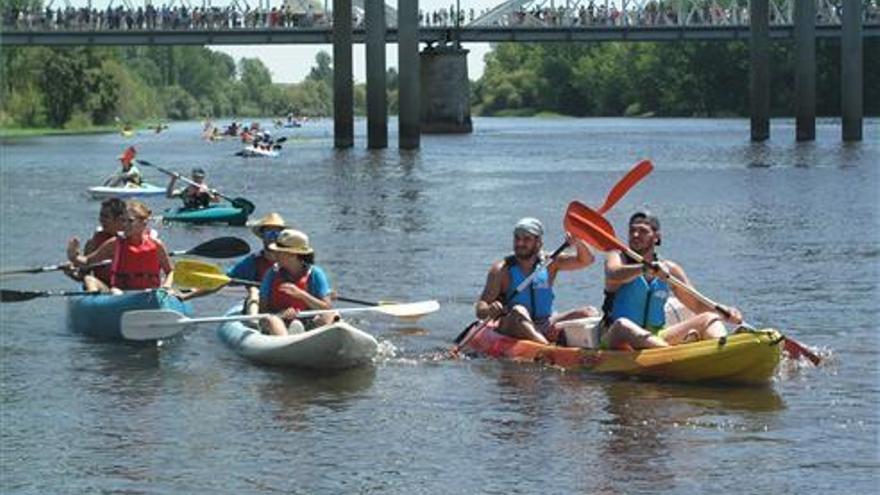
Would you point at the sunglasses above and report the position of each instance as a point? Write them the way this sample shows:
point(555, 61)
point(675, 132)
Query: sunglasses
point(270, 235)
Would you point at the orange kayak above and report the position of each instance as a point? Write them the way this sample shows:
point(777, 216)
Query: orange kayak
point(743, 358)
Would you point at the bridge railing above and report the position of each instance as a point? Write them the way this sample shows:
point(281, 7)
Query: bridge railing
point(302, 14)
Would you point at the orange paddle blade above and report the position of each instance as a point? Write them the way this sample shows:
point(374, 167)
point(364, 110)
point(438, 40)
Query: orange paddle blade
point(587, 224)
point(629, 180)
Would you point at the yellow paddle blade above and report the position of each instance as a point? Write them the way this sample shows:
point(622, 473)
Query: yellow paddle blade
point(194, 274)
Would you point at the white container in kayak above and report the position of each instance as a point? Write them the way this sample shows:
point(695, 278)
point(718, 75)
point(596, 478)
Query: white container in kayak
point(335, 346)
point(142, 191)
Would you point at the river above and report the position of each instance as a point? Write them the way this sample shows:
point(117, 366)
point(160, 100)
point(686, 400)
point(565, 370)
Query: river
point(786, 232)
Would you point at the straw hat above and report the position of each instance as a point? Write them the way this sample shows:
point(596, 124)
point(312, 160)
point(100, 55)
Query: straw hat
point(292, 241)
point(271, 220)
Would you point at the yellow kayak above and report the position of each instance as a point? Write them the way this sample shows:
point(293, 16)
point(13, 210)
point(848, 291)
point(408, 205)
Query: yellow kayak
point(744, 358)
point(127, 132)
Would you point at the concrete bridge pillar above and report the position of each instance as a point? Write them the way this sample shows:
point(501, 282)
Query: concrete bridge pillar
point(343, 84)
point(408, 60)
point(759, 51)
point(805, 70)
point(851, 70)
point(446, 105)
point(377, 98)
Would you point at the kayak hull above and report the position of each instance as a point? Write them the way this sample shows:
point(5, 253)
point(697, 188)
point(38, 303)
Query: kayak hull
point(743, 358)
point(251, 152)
point(144, 191)
point(335, 346)
point(100, 315)
point(211, 214)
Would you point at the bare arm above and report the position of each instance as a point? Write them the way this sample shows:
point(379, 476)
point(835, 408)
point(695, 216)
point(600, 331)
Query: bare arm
point(103, 252)
point(169, 191)
point(618, 273)
point(581, 259)
point(165, 263)
point(488, 305)
point(692, 303)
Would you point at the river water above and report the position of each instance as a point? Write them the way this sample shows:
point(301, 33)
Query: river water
point(787, 232)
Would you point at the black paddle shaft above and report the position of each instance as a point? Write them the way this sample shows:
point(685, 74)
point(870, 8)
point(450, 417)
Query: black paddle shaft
point(242, 203)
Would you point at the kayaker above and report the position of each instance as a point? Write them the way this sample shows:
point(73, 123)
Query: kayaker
point(197, 195)
point(130, 175)
point(530, 314)
point(635, 297)
point(295, 283)
point(112, 221)
point(138, 259)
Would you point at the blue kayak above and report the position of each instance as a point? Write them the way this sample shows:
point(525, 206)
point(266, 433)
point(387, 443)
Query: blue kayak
point(211, 214)
point(100, 315)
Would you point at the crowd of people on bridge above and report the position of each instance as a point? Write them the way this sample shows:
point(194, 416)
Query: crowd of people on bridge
point(304, 15)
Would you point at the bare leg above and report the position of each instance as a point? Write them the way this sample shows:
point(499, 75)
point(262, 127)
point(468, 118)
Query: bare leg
point(519, 325)
point(273, 325)
point(625, 331)
point(707, 325)
point(93, 284)
point(575, 314)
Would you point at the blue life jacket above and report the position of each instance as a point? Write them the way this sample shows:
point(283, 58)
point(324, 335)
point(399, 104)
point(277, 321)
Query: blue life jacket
point(537, 297)
point(641, 301)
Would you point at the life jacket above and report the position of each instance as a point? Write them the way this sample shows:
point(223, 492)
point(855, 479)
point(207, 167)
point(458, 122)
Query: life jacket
point(638, 300)
point(136, 266)
point(537, 297)
point(278, 300)
point(196, 197)
point(97, 240)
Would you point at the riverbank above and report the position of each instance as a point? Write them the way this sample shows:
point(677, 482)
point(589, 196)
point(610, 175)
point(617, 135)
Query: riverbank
point(25, 132)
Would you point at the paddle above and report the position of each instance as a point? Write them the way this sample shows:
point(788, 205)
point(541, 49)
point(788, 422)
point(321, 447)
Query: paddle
point(587, 224)
point(221, 247)
point(7, 295)
point(163, 324)
point(638, 172)
point(242, 203)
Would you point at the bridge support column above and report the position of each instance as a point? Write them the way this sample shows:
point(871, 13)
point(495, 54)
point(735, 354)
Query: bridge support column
point(343, 85)
point(377, 97)
point(759, 51)
point(805, 70)
point(446, 107)
point(851, 70)
point(408, 61)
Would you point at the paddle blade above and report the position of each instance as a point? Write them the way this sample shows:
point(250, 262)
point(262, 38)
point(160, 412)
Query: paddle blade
point(244, 204)
point(7, 295)
point(585, 223)
point(412, 311)
point(637, 173)
point(796, 350)
point(152, 324)
point(194, 274)
point(221, 247)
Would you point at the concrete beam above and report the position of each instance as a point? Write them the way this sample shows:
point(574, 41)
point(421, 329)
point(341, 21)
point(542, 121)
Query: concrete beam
point(408, 61)
point(759, 87)
point(805, 70)
point(851, 71)
point(343, 83)
point(377, 99)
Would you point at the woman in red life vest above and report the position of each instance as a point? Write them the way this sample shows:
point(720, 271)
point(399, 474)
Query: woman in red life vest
point(138, 259)
point(112, 220)
point(294, 284)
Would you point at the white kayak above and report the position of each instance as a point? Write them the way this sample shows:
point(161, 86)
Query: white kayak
point(144, 190)
point(334, 346)
point(251, 151)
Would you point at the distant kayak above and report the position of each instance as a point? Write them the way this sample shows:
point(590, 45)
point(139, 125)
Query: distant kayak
point(255, 152)
point(143, 191)
point(212, 214)
point(127, 132)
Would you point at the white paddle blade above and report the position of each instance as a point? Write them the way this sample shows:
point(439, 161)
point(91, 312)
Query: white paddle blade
point(152, 324)
point(413, 311)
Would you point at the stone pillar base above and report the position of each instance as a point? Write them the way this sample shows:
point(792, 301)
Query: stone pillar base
point(445, 99)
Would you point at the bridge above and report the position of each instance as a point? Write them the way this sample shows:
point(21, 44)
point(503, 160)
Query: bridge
point(374, 23)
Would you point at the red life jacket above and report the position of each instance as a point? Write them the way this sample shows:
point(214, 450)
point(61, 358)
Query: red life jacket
point(97, 240)
point(136, 266)
point(278, 300)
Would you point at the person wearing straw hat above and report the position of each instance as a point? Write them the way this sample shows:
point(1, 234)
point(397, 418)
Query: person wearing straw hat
point(197, 195)
point(130, 175)
point(295, 283)
point(254, 266)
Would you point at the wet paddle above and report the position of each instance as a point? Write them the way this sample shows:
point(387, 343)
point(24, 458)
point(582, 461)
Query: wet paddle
point(638, 172)
point(242, 203)
point(163, 324)
point(221, 247)
point(587, 224)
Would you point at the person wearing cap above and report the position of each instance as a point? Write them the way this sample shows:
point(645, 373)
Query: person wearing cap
point(197, 195)
point(254, 266)
point(529, 315)
point(635, 297)
point(295, 283)
point(130, 175)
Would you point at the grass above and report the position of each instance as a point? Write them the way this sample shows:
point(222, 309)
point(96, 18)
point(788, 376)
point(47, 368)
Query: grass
point(24, 132)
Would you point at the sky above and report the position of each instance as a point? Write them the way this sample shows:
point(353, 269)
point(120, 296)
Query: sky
point(291, 63)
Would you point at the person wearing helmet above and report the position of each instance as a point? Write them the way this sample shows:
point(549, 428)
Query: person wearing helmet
point(635, 297)
point(529, 314)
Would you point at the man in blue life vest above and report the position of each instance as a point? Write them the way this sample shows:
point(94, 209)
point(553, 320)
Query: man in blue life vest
point(635, 297)
point(529, 315)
